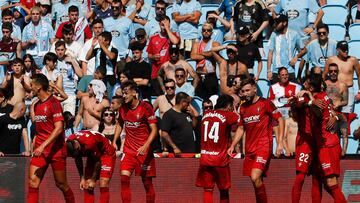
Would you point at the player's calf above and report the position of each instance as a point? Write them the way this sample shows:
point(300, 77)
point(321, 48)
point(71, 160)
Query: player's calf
point(208, 195)
point(149, 188)
point(224, 196)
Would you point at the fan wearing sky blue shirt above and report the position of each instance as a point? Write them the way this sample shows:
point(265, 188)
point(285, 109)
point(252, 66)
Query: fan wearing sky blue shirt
point(152, 26)
point(285, 48)
point(8, 16)
point(144, 13)
point(60, 11)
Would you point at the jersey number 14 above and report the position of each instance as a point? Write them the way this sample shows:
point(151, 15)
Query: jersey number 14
point(213, 134)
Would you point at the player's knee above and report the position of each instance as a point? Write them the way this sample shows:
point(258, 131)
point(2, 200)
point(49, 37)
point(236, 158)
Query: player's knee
point(256, 179)
point(63, 186)
point(34, 182)
point(104, 182)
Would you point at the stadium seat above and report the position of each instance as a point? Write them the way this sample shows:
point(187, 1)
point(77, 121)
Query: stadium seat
point(353, 12)
point(197, 103)
point(334, 14)
point(204, 9)
point(263, 88)
point(352, 146)
point(354, 31)
point(337, 2)
point(354, 48)
point(337, 32)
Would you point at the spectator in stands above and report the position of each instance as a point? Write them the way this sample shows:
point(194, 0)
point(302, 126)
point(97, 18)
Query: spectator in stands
point(16, 83)
point(251, 14)
point(88, 66)
point(298, 13)
point(218, 32)
point(206, 65)
point(8, 16)
point(101, 10)
point(166, 101)
point(141, 37)
point(187, 17)
point(80, 27)
point(283, 45)
point(181, 84)
point(226, 6)
point(248, 52)
point(37, 37)
point(13, 129)
point(207, 105)
point(92, 106)
point(50, 70)
point(140, 71)
point(105, 56)
point(143, 13)
point(10, 49)
point(338, 93)
point(167, 70)
point(60, 11)
point(83, 85)
point(120, 27)
point(69, 69)
point(30, 66)
point(45, 11)
point(21, 15)
point(72, 47)
point(158, 52)
point(69, 124)
point(320, 49)
point(178, 125)
point(152, 27)
point(107, 123)
point(5, 107)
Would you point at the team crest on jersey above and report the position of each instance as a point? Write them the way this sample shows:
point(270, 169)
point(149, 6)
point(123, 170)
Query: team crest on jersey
point(290, 92)
point(138, 116)
point(258, 109)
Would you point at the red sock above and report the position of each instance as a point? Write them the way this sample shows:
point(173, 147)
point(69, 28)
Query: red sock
point(316, 190)
point(89, 196)
point(69, 196)
point(260, 194)
point(337, 194)
point(104, 195)
point(125, 189)
point(33, 195)
point(224, 196)
point(297, 187)
point(149, 188)
point(208, 196)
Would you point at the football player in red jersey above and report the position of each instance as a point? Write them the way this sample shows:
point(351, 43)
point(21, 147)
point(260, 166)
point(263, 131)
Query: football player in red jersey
point(100, 162)
point(215, 140)
point(256, 117)
point(49, 141)
point(139, 121)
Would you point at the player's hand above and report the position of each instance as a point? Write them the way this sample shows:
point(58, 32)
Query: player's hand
point(26, 153)
point(82, 184)
point(115, 146)
point(38, 151)
point(343, 152)
point(331, 123)
point(142, 150)
point(230, 151)
point(319, 103)
point(279, 149)
point(2, 154)
point(90, 183)
point(177, 152)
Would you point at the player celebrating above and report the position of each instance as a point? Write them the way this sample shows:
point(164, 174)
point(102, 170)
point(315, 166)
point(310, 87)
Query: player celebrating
point(100, 162)
point(49, 143)
point(215, 139)
point(139, 122)
point(256, 116)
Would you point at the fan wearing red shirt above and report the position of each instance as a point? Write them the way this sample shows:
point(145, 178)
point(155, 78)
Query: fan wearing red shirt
point(100, 162)
point(256, 116)
point(215, 140)
point(158, 50)
point(139, 121)
point(49, 141)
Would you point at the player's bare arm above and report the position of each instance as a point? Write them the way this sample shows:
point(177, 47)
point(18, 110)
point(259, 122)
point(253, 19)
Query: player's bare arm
point(79, 114)
point(118, 129)
point(236, 139)
point(144, 149)
point(59, 128)
point(80, 168)
point(279, 139)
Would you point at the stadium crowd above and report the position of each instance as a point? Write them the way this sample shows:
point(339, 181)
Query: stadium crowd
point(95, 55)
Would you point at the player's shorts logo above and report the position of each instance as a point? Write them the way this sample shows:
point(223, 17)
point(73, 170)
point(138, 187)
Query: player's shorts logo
point(260, 159)
point(325, 165)
point(145, 167)
point(105, 168)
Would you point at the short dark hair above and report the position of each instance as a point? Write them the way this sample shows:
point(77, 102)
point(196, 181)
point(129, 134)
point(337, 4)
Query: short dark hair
point(117, 97)
point(334, 64)
point(169, 80)
point(101, 70)
point(223, 101)
point(316, 82)
point(16, 61)
point(281, 69)
point(59, 43)
point(41, 80)
point(180, 69)
point(7, 12)
point(67, 28)
point(73, 9)
point(107, 35)
point(129, 84)
point(161, 2)
point(181, 96)
point(50, 57)
point(323, 25)
point(8, 26)
point(126, 73)
point(96, 21)
point(210, 12)
point(164, 18)
point(247, 81)
point(135, 45)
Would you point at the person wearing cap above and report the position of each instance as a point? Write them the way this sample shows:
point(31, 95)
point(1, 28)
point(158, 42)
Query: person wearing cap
point(167, 70)
point(92, 105)
point(152, 27)
point(205, 63)
point(60, 11)
point(45, 7)
point(8, 16)
point(347, 66)
point(285, 48)
point(158, 52)
point(187, 17)
point(298, 13)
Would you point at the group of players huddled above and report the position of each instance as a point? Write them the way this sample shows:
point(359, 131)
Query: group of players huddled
point(318, 148)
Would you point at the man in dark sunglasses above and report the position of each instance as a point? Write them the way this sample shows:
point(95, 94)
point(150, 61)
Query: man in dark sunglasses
point(166, 101)
point(152, 27)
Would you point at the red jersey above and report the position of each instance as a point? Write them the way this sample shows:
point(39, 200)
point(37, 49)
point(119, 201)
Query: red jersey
point(215, 137)
point(256, 119)
point(159, 45)
point(93, 142)
point(46, 114)
point(87, 31)
point(136, 123)
point(303, 115)
point(323, 137)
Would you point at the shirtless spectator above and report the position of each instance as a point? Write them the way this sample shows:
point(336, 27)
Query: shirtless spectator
point(167, 70)
point(92, 106)
point(347, 66)
point(166, 101)
point(181, 84)
point(83, 85)
point(16, 83)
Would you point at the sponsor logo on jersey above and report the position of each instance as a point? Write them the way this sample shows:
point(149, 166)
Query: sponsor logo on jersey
point(209, 152)
point(40, 118)
point(252, 119)
point(292, 14)
point(130, 124)
point(115, 33)
point(14, 126)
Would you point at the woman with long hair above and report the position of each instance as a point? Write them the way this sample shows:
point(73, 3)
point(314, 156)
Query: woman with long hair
point(30, 66)
point(107, 123)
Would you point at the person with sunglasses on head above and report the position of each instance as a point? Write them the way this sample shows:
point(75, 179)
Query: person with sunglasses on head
point(181, 84)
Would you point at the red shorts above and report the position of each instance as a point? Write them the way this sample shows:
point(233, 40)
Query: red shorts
point(329, 158)
point(260, 160)
point(209, 175)
point(107, 167)
point(57, 160)
point(144, 165)
point(303, 155)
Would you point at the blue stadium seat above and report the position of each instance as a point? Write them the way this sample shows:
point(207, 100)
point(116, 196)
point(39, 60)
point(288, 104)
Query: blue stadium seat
point(337, 32)
point(265, 49)
point(334, 14)
point(337, 2)
point(197, 103)
point(354, 31)
point(263, 88)
point(353, 12)
point(354, 48)
point(204, 9)
point(352, 146)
